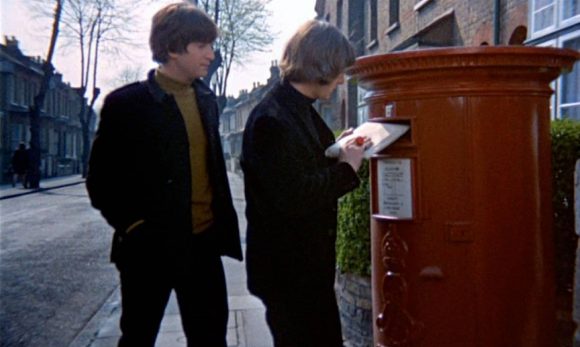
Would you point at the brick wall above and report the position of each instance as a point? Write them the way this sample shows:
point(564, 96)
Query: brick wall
point(473, 20)
point(467, 23)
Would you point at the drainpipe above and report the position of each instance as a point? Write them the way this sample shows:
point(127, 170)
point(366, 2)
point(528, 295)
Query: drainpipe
point(496, 22)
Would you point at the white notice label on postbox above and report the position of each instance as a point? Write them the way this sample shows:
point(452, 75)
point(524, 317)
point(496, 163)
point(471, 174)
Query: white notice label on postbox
point(395, 188)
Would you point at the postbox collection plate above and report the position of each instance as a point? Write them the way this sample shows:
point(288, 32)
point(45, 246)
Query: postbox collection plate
point(395, 188)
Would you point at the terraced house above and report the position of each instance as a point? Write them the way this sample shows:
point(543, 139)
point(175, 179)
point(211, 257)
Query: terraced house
point(60, 129)
point(382, 26)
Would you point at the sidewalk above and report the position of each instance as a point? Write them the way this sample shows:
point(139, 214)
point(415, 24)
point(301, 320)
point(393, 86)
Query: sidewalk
point(7, 191)
point(246, 327)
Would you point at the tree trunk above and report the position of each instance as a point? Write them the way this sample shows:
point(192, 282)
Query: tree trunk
point(86, 128)
point(86, 148)
point(33, 175)
point(83, 118)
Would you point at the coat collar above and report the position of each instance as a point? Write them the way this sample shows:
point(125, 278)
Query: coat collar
point(293, 96)
point(202, 91)
point(301, 109)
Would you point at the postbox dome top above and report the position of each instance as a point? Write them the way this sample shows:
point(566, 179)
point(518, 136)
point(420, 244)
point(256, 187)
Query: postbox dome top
point(546, 63)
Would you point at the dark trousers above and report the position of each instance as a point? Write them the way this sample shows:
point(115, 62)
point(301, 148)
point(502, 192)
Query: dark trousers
point(303, 318)
point(151, 268)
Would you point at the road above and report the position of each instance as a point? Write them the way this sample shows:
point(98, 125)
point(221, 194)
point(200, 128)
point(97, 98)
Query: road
point(54, 267)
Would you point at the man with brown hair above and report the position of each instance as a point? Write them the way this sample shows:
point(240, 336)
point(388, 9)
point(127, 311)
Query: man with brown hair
point(157, 175)
point(292, 191)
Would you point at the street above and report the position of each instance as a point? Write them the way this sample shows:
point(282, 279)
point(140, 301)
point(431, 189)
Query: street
point(57, 287)
point(54, 266)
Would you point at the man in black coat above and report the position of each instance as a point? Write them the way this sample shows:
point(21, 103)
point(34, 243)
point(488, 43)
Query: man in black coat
point(292, 191)
point(157, 175)
point(21, 165)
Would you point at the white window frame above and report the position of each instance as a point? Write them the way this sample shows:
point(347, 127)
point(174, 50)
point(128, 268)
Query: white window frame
point(362, 109)
point(567, 21)
point(533, 19)
point(560, 42)
point(556, 99)
point(18, 91)
point(554, 104)
point(558, 21)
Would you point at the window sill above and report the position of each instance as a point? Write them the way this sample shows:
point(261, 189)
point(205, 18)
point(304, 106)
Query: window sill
point(392, 29)
point(419, 6)
point(374, 43)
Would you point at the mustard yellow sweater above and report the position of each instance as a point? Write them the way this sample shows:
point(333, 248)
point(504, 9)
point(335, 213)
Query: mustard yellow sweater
point(201, 194)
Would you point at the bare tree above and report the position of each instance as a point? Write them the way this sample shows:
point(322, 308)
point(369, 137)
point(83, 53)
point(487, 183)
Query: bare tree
point(128, 75)
point(244, 30)
point(48, 70)
point(95, 27)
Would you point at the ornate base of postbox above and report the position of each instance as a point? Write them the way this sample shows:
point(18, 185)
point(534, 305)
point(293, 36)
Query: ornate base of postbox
point(394, 321)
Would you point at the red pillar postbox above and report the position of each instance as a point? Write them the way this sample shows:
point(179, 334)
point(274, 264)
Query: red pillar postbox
point(461, 205)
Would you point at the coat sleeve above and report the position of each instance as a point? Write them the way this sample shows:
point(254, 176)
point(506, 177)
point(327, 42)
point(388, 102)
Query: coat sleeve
point(279, 176)
point(108, 178)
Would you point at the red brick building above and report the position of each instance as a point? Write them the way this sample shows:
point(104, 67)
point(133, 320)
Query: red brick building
point(381, 26)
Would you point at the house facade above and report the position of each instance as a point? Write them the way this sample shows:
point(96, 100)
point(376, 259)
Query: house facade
point(235, 114)
point(383, 26)
point(60, 129)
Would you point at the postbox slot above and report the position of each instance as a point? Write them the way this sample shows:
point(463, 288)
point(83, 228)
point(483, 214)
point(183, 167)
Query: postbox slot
point(407, 139)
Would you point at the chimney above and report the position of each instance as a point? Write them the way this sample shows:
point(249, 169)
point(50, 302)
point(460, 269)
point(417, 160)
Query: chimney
point(11, 41)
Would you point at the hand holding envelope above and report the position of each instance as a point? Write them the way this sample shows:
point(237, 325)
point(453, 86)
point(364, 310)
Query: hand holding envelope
point(376, 135)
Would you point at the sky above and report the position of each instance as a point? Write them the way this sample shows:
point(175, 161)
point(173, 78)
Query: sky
point(33, 35)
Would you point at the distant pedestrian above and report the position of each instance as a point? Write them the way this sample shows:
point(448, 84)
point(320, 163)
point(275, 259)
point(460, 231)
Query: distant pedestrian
point(20, 165)
point(158, 176)
point(292, 191)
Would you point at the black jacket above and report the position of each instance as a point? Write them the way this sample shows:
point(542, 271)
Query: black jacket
point(139, 166)
point(292, 191)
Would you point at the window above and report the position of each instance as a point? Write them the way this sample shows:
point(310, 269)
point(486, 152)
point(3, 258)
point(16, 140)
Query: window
point(553, 84)
point(550, 15)
point(44, 137)
point(75, 140)
point(15, 136)
point(393, 12)
point(18, 91)
point(570, 84)
point(61, 102)
point(238, 120)
point(232, 121)
point(49, 102)
point(27, 94)
point(20, 134)
point(373, 21)
point(54, 138)
point(571, 9)
point(565, 102)
point(339, 14)
point(419, 4)
point(11, 89)
point(362, 107)
point(543, 16)
point(69, 145)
